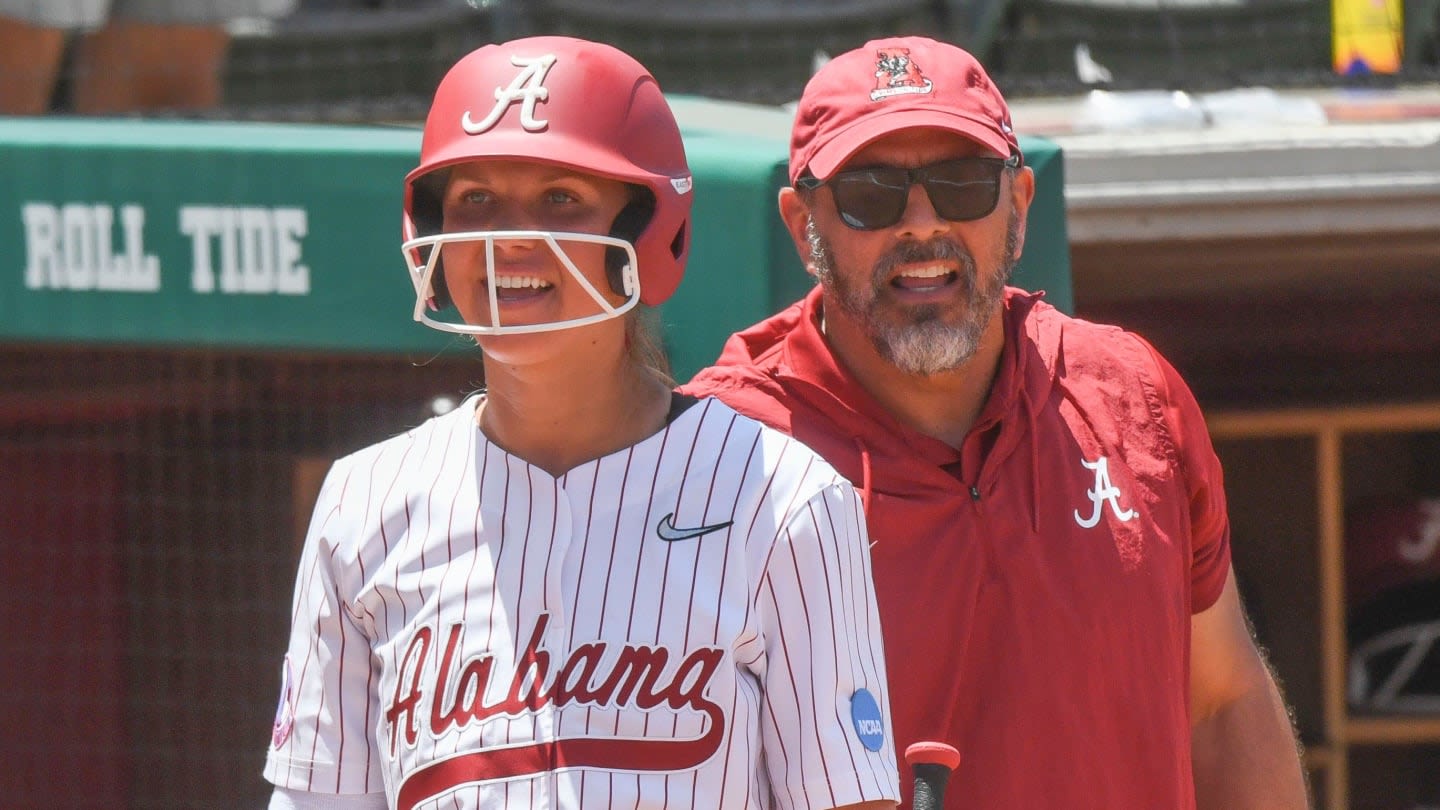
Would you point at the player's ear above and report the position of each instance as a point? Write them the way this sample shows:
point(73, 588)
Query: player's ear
point(795, 213)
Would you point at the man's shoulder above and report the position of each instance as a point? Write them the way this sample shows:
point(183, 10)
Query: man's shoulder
point(760, 402)
point(1114, 378)
point(1042, 319)
point(1071, 345)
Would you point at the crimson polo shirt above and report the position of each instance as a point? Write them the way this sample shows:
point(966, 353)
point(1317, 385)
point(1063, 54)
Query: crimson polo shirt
point(1036, 585)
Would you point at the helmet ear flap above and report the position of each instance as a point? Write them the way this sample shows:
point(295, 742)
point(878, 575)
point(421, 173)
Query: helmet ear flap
point(628, 225)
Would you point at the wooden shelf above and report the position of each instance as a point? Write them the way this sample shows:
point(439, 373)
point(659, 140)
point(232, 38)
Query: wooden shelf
point(1336, 436)
point(1318, 757)
point(1309, 421)
point(1392, 730)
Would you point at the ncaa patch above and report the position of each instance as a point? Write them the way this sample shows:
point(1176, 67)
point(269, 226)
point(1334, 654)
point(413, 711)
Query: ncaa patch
point(285, 712)
point(865, 715)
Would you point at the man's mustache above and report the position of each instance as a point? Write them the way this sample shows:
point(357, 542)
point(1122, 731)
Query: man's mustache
point(934, 250)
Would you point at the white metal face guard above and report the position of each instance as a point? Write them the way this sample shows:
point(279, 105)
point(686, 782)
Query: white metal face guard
point(420, 276)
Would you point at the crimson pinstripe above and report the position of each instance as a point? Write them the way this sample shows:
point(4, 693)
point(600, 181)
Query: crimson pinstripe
point(534, 642)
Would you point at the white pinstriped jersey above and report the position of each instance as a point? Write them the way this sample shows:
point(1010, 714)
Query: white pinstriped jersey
point(688, 622)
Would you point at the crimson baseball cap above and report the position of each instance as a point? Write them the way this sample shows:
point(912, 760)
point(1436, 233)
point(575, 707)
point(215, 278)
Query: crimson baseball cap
point(893, 84)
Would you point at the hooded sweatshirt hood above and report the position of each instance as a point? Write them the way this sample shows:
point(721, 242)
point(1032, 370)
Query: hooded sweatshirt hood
point(785, 359)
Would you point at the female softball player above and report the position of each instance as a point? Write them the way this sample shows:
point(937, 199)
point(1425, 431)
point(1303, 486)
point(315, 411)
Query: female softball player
point(577, 589)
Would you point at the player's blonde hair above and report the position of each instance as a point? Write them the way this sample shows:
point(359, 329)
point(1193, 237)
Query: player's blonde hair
point(644, 344)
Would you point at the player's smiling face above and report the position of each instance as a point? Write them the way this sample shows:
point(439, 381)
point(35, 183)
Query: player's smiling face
point(923, 290)
point(531, 280)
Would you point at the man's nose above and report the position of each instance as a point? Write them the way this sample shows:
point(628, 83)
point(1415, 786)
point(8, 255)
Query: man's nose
point(921, 221)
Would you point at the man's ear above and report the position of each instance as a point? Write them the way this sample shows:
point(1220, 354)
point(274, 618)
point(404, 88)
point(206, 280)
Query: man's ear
point(795, 213)
point(1022, 193)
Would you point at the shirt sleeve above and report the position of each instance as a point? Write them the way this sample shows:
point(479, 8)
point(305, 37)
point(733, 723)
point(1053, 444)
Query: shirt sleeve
point(825, 717)
point(323, 737)
point(1204, 485)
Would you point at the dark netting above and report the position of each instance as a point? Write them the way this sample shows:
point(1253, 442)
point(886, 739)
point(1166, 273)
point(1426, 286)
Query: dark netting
point(764, 50)
point(379, 60)
point(1275, 43)
point(153, 505)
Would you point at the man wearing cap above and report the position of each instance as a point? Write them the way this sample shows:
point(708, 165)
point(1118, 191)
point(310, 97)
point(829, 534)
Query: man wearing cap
point(1051, 547)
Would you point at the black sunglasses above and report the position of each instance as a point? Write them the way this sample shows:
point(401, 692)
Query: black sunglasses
point(960, 190)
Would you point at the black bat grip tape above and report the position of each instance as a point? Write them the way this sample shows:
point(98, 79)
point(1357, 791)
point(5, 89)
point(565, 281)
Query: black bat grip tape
point(930, 780)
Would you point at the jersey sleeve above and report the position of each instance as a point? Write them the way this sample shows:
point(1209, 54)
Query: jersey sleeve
point(825, 722)
point(323, 737)
point(1204, 484)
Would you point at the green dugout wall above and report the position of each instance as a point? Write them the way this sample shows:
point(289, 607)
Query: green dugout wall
point(286, 237)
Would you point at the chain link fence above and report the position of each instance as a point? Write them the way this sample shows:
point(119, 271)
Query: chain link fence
point(763, 52)
point(369, 60)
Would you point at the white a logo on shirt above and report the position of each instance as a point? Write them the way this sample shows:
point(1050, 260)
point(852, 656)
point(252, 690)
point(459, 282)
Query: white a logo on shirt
point(527, 88)
point(1103, 492)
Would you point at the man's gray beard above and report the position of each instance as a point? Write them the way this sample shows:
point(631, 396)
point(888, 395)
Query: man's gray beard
point(926, 344)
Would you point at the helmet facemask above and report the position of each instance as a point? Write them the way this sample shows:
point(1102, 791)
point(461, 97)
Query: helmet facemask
point(422, 275)
point(423, 256)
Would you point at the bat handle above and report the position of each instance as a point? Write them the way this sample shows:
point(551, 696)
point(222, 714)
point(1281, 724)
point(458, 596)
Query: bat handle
point(932, 763)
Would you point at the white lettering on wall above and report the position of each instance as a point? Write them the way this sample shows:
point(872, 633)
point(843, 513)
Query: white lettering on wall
point(200, 223)
point(259, 249)
point(72, 247)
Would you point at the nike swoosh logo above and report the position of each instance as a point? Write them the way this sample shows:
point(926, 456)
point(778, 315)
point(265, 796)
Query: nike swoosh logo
point(669, 533)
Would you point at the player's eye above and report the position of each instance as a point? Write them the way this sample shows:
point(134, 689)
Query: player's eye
point(469, 208)
point(561, 197)
point(474, 196)
point(569, 208)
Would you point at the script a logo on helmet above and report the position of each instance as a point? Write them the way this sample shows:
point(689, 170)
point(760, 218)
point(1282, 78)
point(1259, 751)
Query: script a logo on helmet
point(527, 88)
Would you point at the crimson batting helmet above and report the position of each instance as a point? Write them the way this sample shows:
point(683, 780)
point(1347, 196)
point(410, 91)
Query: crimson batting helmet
point(1393, 586)
point(566, 102)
